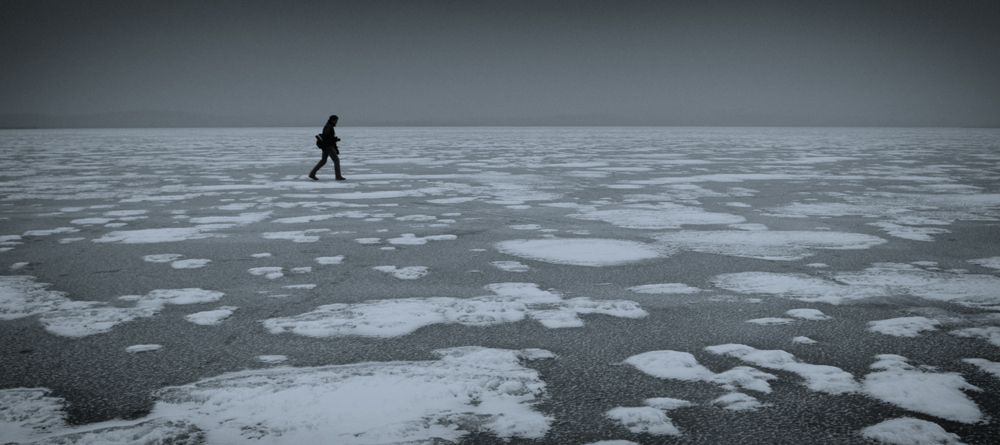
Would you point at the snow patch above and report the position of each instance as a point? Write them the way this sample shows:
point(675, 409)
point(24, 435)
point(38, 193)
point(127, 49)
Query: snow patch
point(903, 326)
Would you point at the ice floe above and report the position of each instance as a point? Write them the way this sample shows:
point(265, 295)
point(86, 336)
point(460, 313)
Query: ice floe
point(208, 318)
point(822, 378)
point(410, 239)
point(768, 245)
point(880, 280)
point(512, 302)
point(593, 252)
point(985, 365)
point(677, 365)
point(770, 321)
point(906, 386)
point(988, 333)
point(903, 326)
point(28, 413)
point(991, 262)
point(510, 266)
point(272, 358)
point(910, 431)
point(644, 420)
point(804, 340)
point(661, 216)
point(665, 288)
point(267, 272)
point(404, 273)
point(148, 236)
point(470, 389)
point(738, 401)
point(301, 236)
point(189, 263)
point(143, 348)
point(328, 260)
point(808, 314)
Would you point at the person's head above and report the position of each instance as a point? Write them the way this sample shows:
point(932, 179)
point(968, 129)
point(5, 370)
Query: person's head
point(333, 119)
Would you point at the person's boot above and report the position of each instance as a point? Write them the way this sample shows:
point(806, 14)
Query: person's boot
point(313, 177)
point(340, 178)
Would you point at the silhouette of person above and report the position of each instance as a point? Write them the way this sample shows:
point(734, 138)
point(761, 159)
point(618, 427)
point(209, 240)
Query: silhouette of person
point(330, 150)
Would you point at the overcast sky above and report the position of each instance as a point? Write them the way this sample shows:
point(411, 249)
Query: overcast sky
point(836, 62)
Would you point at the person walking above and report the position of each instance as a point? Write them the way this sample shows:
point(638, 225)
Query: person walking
point(329, 146)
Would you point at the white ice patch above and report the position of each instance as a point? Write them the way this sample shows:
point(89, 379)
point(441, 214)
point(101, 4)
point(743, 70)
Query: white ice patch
point(665, 288)
point(410, 239)
point(593, 252)
point(21, 297)
point(301, 236)
point(470, 389)
point(644, 420)
point(804, 340)
point(988, 333)
point(510, 266)
point(243, 218)
point(189, 264)
point(661, 216)
point(903, 326)
point(391, 318)
point(822, 378)
point(771, 321)
point(936, 394)
point(768, 245)
point(272, 358)
point(208, 318)
point(162, 257)
point(267, 272)
point(683, 366)
point(27, 413)
point(881, 280)
point(985, 365)
point(739, 402)
point(403, 273)
point(991, 262)
point(91, 321)
point(20, 265)
point(51, 231)
point(910, 431)
point(159, 297)
point(808, 314)
point(147, 236)
point(143, 348)
point(302, 219)
point(328, 260)
point(909, 232)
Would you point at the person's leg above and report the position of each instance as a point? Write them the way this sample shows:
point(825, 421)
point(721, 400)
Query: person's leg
point(321, 163)
point(336, 166)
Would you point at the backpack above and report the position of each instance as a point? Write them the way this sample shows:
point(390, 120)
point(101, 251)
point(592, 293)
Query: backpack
point(319, 141)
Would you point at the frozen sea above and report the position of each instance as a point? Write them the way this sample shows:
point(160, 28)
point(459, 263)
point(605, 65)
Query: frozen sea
point(500, 285)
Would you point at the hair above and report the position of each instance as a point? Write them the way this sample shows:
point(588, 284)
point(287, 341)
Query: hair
point(333, 117)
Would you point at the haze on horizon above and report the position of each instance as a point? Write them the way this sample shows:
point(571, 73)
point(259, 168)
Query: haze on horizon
point(548, 62)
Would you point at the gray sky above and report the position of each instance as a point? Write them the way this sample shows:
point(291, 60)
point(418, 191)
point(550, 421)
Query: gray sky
point(843, 62)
